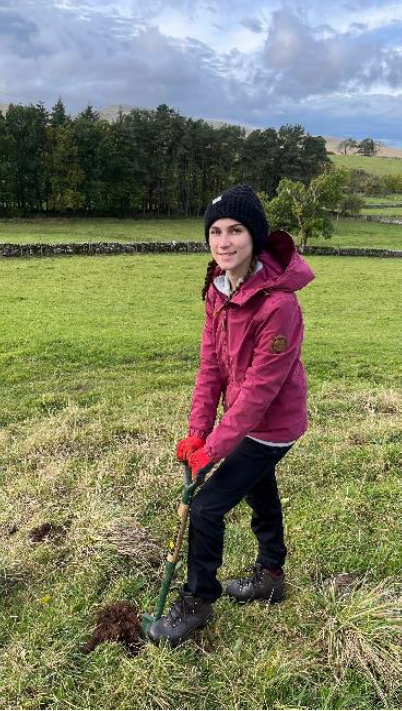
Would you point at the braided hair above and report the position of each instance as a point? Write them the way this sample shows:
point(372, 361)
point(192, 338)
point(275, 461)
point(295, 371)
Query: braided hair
point(211, 273)
point(208, 277)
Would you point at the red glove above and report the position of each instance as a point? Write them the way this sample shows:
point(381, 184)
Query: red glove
point(187, 446)
point(197, 461)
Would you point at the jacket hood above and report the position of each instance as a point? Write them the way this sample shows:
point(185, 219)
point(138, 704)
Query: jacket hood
point(283, 269)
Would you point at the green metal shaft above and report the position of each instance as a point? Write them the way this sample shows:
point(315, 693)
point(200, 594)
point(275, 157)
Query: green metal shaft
point(189, 488)
point(164, 589)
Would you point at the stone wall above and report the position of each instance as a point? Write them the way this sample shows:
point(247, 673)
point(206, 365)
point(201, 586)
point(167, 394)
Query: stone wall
point(96, 248)
point(390, 220)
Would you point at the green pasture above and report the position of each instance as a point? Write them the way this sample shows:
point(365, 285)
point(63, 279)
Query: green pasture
point(378, 165)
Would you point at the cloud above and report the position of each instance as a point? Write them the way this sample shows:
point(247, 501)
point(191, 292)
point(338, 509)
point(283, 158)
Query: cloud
point(110, 60)
point(299, 63)
point(266, 67)
point(393, 70)
point(16, 31)
point(251, 23)
point(359, 26)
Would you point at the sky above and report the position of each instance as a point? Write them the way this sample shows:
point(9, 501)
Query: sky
point(334, 67)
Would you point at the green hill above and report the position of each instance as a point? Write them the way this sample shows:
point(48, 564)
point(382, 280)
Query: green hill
point(378, 165)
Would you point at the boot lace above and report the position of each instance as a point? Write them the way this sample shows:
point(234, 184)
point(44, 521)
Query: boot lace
point(180, 608)
point(254, 578)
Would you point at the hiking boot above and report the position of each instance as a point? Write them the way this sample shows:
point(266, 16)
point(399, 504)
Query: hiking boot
point(188, 614)
point(261, 585)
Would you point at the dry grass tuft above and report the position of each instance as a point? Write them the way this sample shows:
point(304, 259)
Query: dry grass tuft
point(129, 539)
point(362, 631)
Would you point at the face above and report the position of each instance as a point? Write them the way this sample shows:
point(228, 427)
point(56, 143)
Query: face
point(231, 245)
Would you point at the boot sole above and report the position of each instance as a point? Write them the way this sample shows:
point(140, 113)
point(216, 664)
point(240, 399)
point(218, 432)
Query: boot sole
point(270, 600)
point(189, 635)
point(167, 642)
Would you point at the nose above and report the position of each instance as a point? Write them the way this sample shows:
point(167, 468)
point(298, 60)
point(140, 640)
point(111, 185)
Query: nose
point(224, 238)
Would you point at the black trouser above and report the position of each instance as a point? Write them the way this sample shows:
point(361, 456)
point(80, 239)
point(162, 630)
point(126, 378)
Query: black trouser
point(248, 472)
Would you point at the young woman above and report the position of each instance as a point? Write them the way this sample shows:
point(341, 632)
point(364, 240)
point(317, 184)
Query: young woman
point(250, 354)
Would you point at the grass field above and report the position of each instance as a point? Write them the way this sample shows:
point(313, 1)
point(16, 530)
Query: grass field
point(383, 211)
point(355, 233)
point(386, 200)
point(386, 203)
point(97, 361)
point(377, 165)
point(57, 230)
point(348, 233)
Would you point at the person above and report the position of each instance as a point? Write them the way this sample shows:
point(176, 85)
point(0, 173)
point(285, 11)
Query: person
point(250, 355)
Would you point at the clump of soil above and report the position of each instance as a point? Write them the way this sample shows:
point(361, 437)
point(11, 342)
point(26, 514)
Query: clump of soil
point(117, 622)
point(45, 532)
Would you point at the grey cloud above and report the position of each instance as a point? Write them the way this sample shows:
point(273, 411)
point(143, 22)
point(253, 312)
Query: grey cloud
point(359, 26)
point(14, 27)
point(299, 63)
point(394, 69)
point(106, 61)
point(150, 9)
point(92, 56)
point(356, 5)
point(251, 23)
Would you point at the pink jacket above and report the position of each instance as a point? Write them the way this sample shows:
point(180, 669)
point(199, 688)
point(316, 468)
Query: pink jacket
point(250, 354)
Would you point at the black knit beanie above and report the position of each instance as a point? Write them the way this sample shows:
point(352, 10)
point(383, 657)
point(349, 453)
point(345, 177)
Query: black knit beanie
point(240, 203)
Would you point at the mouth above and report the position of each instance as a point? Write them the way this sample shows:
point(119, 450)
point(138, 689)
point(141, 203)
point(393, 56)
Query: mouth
point(227, 254)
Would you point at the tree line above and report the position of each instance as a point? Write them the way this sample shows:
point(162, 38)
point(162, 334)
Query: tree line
point(144, 163)
point(366, 147)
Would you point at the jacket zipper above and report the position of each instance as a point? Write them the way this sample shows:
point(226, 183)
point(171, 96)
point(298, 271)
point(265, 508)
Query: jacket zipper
point(224, 320)
point(226, 330)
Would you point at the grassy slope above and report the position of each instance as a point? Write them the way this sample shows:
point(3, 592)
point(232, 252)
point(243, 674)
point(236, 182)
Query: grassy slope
point(371, 164)
point(98, 359)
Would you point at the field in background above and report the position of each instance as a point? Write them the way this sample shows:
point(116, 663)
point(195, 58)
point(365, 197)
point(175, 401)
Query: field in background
point(97, 363)
point(383, 211)
point(385, 200)
point(348, 233)
point(359, 233)
point(57, 230)
point(377, 165)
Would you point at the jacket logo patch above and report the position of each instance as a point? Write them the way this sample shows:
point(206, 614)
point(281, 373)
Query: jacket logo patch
point(279, 344)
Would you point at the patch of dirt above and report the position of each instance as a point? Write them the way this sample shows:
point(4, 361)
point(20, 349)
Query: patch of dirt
point(45, 532)
point(8, 529)
point(119, 622)
point(385, 402)
point(342, 583)
point(12, 580)
point(357, 438)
